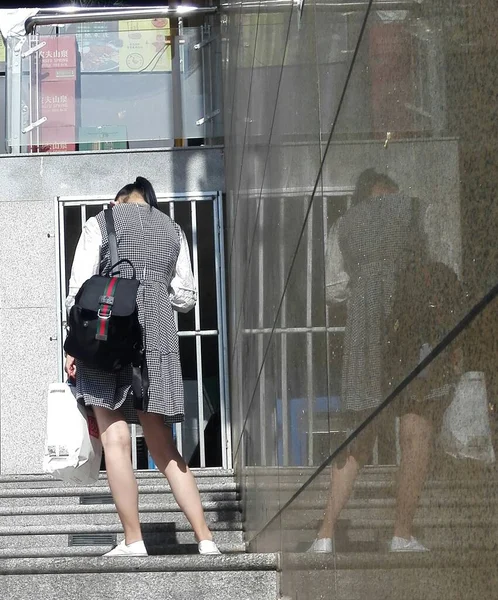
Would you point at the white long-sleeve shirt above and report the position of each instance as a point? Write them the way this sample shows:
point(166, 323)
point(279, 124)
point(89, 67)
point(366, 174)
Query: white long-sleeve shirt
point(86, 262)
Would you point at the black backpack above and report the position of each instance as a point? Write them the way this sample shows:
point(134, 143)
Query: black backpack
point(104, 330)
point(426, 306)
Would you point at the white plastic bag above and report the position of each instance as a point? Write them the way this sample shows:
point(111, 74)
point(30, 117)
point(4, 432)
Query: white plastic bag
point(336, 278)
point(73, 450)
point(466, 432)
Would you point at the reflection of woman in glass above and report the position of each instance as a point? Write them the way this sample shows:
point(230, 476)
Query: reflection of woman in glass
point(368, 248)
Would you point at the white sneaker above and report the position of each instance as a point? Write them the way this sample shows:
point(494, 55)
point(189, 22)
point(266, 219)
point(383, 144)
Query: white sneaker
point(208, 547)
point(321, 546)
point(123, 549)
point(399, 544)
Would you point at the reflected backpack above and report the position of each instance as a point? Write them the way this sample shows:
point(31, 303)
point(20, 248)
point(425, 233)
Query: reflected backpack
point(104, 330)
point(426, 305)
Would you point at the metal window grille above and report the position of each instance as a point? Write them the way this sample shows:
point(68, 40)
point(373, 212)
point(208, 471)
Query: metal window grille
point(298, 326)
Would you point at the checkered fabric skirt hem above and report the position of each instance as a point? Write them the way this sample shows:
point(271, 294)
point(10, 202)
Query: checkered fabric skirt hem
point(111, 390)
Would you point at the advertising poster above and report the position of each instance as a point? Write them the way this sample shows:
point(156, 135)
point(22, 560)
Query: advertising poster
point(124, 46)
point(58, 53)
point(2, 51)
point(145, 45)
point(58, 93)
point(98, 44)
point(56, 139)
point(58, 103)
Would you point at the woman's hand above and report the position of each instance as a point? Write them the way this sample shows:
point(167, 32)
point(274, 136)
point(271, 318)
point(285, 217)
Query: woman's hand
point(70, 367)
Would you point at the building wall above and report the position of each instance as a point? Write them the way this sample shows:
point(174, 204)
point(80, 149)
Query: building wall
point(28, 317)
point(311, 100)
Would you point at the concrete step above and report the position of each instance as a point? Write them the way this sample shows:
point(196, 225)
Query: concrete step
point(96, 551)
point(433, 494)
point(375, 534)
point(427, 502)
point(246, 577)
point(144, 474)
point(68, 499)
point(167, 506)
point(380, 484)
point(476, 502)
point(458, 469)
point(385, 508)
point(213, 513)
point(355, 511)
point(16, 496)
point(158, 535)
point(160, 486)
point(151, 478)
point(99, 497)
point(464, 575)
point(228, 489)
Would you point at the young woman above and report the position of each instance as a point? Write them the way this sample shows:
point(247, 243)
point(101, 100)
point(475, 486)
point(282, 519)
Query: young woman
point(379, 240)
point(158, 249)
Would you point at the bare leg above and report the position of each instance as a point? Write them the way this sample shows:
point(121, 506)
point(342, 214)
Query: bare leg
point(342, 482)
point(341, 486)
point(415, 440)
point(163, 450)
point(117, 446)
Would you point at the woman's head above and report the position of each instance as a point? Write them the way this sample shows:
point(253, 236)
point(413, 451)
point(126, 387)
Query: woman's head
point(133, 192)
point(371, 184)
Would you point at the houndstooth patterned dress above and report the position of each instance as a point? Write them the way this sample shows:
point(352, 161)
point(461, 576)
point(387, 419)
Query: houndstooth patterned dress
point(151, 241)
point(376, 239)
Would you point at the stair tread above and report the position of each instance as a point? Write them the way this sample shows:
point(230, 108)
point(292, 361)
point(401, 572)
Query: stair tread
point(435, 522)
point(379, 483)
point(161, 482)
point(97, 551)
point(438, 521)
point(386, 560)
point(152, 474)
point(425, 502)
point(69, 528)
point(224, 504)
point(63, 491)
point(79, 509)
point(230, 486)
point(252, 561)
point(171, 563)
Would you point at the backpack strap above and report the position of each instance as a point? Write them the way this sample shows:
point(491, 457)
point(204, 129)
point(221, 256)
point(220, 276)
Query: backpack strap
point(140, 373)
point(106, 302)
point(140, 382)
point(111, 235)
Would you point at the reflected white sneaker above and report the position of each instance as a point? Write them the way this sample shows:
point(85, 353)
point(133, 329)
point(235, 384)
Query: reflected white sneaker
point(123, 549)
point(321, 546)
point(208, 547)
point(399, 544)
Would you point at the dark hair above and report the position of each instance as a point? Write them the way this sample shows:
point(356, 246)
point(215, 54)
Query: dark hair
point(143, 187)
point(366, 182)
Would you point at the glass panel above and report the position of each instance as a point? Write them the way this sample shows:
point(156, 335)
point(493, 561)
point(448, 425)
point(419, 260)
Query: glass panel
point(92, 210)
point(207, 271)
point(190, 434)
point(407, 170)
point(116, 85)
point(186, 321)
point(212, 414)
point(72, 231)
point(3, 148)
point(210, 386)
